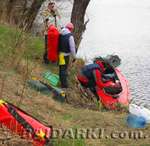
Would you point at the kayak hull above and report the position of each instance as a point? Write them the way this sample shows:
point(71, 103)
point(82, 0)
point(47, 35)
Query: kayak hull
point(124, 97)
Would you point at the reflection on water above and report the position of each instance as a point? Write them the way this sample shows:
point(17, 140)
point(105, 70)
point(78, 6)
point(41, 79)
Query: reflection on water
point(122, 27)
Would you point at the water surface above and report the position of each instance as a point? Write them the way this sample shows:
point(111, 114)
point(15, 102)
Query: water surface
point(122, 27)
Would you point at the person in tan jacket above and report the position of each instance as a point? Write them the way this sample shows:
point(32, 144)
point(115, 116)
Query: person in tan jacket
point(50, 15)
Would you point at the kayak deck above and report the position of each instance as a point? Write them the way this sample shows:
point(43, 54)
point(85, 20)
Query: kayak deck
point(124, 97)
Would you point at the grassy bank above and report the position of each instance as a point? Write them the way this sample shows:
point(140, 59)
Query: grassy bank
point(20, 59)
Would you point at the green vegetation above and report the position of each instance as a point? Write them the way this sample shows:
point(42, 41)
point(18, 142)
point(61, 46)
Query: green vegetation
point(15, 48)
point(13, 39)
point(68, 142)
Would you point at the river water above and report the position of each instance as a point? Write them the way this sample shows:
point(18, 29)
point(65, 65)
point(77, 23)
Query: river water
point(122, 27)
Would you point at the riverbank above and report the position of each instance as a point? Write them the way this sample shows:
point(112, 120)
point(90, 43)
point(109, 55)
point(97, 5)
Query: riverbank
point(20, 59)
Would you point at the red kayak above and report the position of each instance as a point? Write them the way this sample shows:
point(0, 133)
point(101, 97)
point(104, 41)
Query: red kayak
point(110, 87)
point(123, 98)
point(53, 40)
point(23, 124)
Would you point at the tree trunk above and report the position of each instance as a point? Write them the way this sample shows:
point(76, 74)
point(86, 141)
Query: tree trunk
point(17, 12)
point(30, 14)
point(77, 18)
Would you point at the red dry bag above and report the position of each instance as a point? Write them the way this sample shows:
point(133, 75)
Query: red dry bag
point(53, 41)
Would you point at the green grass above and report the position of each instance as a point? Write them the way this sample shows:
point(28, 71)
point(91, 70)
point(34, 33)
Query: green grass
point(45, 108)
point(35, 47)
point(67, 117)
point(6, 41)
point(68, 142)
point(32, 47)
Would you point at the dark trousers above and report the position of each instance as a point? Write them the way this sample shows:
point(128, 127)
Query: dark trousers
point(91, 84)
point(63, 73)
point(45, 58)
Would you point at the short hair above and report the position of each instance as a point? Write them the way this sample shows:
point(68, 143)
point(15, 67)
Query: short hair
point(51, 3)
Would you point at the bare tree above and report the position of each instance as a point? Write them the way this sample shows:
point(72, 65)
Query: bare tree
point(77, 18)
point(16, 12)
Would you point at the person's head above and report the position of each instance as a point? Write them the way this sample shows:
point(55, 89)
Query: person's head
point(70, 26)
point(51, 5)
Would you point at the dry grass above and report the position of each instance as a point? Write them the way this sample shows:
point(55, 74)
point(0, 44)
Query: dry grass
point(65, 115)
point(79, 113)
point(9, 139)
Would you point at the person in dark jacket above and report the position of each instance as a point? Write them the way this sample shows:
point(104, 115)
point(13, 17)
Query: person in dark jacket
point(66, 48)
point(98, 76)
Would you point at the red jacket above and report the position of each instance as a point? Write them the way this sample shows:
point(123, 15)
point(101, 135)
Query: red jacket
point(98, 79)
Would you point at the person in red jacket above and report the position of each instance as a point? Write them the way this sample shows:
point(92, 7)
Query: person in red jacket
point(92, 77)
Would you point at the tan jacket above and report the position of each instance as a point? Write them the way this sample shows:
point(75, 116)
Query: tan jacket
point(51, 16)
